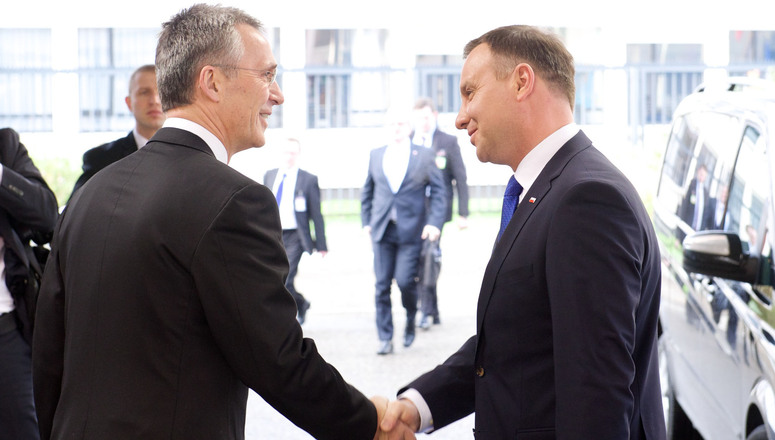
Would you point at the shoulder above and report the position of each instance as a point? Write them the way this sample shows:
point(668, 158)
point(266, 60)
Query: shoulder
point(112, 148)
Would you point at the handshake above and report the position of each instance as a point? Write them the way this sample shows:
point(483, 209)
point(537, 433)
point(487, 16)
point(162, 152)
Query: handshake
point(396, 420)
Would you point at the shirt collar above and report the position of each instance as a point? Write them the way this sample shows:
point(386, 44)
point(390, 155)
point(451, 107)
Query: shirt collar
point(140, 140)
point(216, 146)
point(535, 161)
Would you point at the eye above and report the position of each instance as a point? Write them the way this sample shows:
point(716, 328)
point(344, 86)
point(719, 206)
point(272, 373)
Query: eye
point(270, 76)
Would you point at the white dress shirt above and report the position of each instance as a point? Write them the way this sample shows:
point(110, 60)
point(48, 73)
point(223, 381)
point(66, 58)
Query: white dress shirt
point(286, 207)
point(395, 163)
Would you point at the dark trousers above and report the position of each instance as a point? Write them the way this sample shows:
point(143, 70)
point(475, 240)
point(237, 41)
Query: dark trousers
point(17, 410)
point(393, 259)
point(294, 250)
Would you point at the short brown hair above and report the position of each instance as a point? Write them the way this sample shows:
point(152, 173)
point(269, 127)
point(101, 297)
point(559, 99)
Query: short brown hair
point(543, 51)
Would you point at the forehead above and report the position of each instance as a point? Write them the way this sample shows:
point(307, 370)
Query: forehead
point(145, 78)
point(477, 63)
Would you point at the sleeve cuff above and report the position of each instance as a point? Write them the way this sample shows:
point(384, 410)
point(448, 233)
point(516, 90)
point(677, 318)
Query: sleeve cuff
point(426, 419)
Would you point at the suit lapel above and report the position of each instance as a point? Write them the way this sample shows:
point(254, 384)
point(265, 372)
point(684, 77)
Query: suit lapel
point(413, 164)
point(529, 203)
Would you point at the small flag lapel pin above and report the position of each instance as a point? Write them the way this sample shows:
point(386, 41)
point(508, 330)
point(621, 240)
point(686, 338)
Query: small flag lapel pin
point(532, 200)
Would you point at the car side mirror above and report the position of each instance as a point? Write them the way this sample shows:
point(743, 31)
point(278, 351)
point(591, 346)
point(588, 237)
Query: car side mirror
point(719, 254)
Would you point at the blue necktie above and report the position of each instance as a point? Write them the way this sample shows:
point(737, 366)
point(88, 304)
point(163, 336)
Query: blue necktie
point(510, 200)
point(279, 194)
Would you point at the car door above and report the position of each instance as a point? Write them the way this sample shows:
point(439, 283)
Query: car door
point(692, 194)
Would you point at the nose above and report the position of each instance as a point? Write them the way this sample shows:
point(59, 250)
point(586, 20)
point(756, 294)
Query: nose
point(275, 94)
point(461, 121)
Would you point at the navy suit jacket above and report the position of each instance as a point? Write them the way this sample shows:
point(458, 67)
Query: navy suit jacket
point(163, 300)
point(566, 342)
point(98, 158)
point(450, 161)
point(307, 188)
point(377, 199)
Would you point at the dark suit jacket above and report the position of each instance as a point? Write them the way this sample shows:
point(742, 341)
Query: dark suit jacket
point(307, 188)
point(99, 157)
point(163, 301)
point(27, 207)
point(453, 171)
point(377, 199)
point(567, 315)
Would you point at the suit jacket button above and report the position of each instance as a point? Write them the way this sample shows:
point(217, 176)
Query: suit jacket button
point(480, 371)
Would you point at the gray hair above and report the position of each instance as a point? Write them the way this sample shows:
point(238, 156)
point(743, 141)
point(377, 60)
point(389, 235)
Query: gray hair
point(195, 37)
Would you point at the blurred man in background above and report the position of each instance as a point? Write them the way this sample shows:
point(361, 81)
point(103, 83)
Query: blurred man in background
point(144, 103)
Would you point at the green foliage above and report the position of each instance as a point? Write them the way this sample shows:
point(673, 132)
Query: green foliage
point(60, 174)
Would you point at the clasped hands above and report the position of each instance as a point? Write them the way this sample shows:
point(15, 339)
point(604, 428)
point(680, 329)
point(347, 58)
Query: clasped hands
point(396, 420)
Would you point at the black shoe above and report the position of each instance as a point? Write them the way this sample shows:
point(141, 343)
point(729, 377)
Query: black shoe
point(385, 348)
point(302, 314)
point(436, 320)
point(408, 339)
point(425, 322)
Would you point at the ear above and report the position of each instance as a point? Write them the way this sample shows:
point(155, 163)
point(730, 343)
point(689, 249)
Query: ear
point(128, 101)
point(523, 80)
point(209, 83)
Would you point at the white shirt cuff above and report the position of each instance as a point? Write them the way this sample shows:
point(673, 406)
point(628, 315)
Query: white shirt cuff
point(426, 418)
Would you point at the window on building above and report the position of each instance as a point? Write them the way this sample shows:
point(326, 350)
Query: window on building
point(438, 78)
point(106, 59)
point(348, 77)
point(26, 79)
point(751, 47)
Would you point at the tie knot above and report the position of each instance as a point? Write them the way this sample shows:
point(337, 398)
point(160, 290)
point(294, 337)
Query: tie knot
point(513, 188)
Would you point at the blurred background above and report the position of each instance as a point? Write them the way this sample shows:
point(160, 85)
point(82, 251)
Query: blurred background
point(65, 66)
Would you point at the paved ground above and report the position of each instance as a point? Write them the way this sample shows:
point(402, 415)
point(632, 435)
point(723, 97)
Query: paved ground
point(341, 319)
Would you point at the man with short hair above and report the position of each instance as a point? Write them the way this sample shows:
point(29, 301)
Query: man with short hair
point(143, 101)
point(566, 335)
point(163, 299)
point(298, 198)
point(449, 161)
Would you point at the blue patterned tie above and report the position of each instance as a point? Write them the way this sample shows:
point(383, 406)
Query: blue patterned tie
point(510, 200)
point(279, 195)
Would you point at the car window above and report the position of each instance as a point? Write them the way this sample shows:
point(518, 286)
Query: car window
point(747, 212)
point(697, 170)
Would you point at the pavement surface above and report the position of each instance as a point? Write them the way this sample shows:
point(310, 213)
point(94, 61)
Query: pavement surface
point(340, 287)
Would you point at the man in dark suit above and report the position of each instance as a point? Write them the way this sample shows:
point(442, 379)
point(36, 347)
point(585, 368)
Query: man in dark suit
point(143, 101)
point(449, 160)
point(566, 342)
point(26, 205)
point(395, 212)
point(163, 298)
point(298, 198)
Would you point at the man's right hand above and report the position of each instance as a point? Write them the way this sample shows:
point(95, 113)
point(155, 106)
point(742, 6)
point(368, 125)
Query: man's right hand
point(400, 415)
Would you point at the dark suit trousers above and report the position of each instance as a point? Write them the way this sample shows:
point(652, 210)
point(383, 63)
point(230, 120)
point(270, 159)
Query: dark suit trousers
point(393, 259)
point(293, 249)
point(17, 410)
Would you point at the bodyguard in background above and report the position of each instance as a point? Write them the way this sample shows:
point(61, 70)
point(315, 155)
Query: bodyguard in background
point(26, 205)
point(143, 101)
point(448, 159)
point(395, 212)
point(298, 198)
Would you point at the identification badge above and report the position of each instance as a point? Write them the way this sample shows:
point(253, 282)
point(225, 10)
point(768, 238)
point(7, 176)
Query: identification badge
point(300, 204)
point(441, 162)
